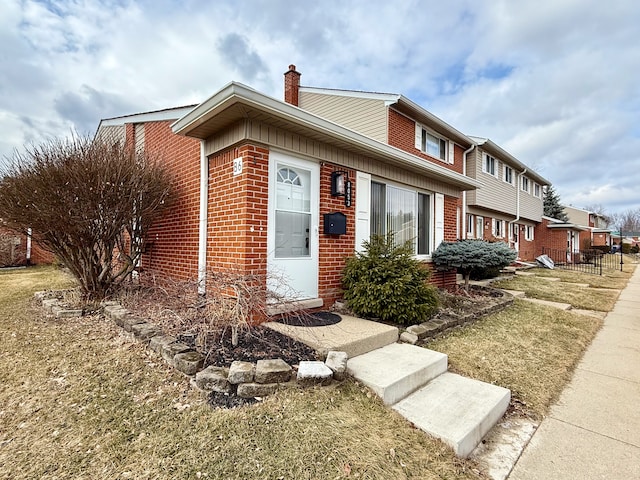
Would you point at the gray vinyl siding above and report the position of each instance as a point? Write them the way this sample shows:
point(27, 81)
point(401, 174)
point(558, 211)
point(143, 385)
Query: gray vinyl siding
point(364, 115)
point(499, 196)
point(115, 133)
point(577, 216)
point(295, 144)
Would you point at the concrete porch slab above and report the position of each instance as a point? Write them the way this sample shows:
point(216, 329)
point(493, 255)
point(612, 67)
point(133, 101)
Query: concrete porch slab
point(352, 335)
point(460, 411)
point(395, 371)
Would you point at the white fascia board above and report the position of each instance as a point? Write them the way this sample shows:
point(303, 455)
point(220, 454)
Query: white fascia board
point(157, 116)
point(388, 98)
point(238, 93)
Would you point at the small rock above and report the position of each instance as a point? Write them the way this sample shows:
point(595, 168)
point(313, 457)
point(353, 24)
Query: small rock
point(408, 337)
point(314, 373)
point(213, 379)
point(144, 331)
point(62, 312)
point(158, 342)
point(171, 350)
point(418, 330)
point(337, 362)
point(127, 321)
point(188, 363)
point(241, 372)
point(250, 390)
point(272, 371)
point(49, 303)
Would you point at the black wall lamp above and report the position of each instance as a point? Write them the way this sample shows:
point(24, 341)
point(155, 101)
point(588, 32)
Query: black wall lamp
point(341, 186)
point(339, 180)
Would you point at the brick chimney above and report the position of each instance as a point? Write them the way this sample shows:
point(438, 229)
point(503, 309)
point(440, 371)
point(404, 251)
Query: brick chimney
point(291, 85)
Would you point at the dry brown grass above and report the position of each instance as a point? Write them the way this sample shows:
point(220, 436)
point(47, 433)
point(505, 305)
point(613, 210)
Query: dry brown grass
point(527, 348)
point(601, 294)
point(80, 400)
point(614, 279)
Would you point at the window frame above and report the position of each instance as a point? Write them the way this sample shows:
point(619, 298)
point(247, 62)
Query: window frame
point(529, 233)
point(429, 228)
point(506, 167)
point(443, 144)
point(470, 225)
point(523, 180)
point(537, 190)
point(498, 223)
point(485, 161)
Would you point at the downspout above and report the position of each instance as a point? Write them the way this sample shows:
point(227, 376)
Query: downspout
point(517, 206)
point(29, 232)
point(202, 240)
point(463, 233)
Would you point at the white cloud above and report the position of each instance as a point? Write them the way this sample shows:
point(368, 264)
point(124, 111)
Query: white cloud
point(555, 83)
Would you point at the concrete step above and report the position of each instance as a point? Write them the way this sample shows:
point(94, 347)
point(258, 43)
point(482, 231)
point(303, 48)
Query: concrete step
point(395, 371)
point(352, 335)
point(515, 293)
point(457, 410)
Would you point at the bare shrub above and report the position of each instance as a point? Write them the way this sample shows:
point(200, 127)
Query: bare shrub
point(89, 203)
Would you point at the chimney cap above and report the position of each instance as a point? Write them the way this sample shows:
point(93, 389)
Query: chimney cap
point(292, 69)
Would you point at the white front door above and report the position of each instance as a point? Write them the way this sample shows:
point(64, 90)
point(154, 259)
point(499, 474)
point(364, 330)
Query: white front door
point(479, 228)
point(292, 233)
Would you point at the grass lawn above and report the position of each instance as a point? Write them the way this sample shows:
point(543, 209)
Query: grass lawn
point(80, 400)
point(600, 296)
point(528, 348)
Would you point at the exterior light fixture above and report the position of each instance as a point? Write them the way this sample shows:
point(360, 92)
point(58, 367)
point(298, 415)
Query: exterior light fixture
point(339, 181)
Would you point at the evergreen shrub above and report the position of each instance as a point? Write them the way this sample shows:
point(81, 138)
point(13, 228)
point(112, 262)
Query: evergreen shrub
point(387, 282)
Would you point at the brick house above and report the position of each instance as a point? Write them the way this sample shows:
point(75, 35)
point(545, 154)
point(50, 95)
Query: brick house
point(270, 188)
point(508, 206)
point(19, 249)
point(596, 234)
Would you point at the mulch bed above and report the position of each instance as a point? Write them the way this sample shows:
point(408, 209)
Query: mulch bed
point(255, 343)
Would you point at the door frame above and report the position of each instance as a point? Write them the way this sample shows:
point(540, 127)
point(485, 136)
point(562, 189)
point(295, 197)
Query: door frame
point(283, 267)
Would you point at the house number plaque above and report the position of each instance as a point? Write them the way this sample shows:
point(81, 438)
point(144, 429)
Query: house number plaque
point(237, 166)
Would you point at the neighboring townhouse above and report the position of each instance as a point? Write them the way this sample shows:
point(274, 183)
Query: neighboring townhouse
point(269, 189)
point(508, 206)
point(597, 234)
point(19, 249)
point(560, 240)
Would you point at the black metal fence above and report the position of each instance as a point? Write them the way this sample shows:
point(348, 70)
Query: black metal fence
point(586, 261)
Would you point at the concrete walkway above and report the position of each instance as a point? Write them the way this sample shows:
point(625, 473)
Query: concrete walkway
point(593, 432)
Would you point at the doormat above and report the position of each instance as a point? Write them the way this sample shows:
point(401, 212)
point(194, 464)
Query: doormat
point(316, 319)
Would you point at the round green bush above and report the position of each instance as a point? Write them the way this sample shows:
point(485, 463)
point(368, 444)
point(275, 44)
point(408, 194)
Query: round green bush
point(387, 282)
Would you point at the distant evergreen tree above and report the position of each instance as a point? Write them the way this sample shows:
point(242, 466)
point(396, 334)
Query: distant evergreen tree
point(552, 206)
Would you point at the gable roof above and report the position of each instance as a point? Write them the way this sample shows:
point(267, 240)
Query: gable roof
point(495, 149)
point(236, 102)
point(403, 105)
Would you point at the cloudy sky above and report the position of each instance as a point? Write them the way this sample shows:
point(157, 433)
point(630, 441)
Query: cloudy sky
point(554, 82)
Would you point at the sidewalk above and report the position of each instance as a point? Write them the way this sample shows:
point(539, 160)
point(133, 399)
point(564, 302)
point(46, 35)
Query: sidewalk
point(593, 432)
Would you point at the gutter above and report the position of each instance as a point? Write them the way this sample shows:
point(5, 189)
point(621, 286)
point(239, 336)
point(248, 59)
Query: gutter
point(202, 237)
point(249, 98)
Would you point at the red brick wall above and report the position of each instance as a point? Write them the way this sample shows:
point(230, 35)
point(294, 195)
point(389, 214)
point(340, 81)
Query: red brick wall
point(238, 211)
point(172, 243)
point(334, 249)
point(402, 133)
point(552, 238)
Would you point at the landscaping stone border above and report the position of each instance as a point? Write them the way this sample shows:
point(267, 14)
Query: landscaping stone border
point(245, 379)
point(442, 323)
